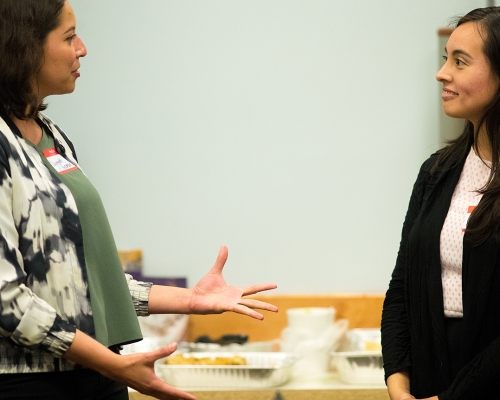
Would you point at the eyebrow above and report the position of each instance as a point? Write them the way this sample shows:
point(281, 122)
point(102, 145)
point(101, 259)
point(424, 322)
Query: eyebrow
point(458, 52)
point(69, 30)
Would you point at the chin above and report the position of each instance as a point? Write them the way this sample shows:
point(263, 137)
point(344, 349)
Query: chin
point(453, 113)
point(67, 90)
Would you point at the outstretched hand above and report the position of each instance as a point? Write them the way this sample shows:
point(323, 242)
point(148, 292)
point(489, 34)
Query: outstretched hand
point(212, 295)
point(139, 375)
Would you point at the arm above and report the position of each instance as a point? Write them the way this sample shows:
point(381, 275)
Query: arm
point(211, 295)
point(395, 325)
point(135, 370)
point(399, 386)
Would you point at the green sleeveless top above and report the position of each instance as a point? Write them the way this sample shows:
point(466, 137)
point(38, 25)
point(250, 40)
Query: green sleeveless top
point(113, 311)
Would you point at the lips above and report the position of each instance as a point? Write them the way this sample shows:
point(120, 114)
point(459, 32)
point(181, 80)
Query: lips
point(448, 91)
point(448, 94)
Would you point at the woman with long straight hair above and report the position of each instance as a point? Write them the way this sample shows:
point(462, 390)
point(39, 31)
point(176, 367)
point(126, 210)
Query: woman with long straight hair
point(441, 316)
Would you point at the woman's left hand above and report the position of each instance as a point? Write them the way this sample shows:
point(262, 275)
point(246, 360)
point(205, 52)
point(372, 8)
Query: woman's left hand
point(212, 295)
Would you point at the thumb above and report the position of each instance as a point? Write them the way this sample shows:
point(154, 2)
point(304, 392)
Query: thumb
point(221, 259)
point(164, 351)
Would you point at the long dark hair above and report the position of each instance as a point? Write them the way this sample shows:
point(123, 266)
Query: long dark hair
point(485, 219)
point(24, 27)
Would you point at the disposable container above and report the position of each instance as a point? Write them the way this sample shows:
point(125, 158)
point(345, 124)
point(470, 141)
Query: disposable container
point(367, 339)
point(266, 369)
point(311, 319)
point(255, 347)
point(359, 358)
point(359, 367)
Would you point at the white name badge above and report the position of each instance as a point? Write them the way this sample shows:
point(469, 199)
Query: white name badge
point(60, 164)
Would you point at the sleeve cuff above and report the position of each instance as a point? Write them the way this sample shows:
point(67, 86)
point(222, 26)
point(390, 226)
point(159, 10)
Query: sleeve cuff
point(140, 295)
point(59, 337)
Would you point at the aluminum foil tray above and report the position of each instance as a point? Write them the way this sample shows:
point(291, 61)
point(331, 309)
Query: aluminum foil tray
point(360, 367)
point(263, 370)
point(359, 358)
point(255, 347)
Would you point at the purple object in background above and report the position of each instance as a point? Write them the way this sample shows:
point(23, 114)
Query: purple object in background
point(156, 280)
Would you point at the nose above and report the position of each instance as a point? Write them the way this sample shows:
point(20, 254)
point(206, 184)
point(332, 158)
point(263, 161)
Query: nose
point(443, 75)
point(81, 50)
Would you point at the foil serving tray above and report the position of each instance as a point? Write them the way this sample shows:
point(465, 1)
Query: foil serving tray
point(263, 369)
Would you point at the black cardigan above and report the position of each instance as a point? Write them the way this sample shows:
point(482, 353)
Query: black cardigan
point(413, 322)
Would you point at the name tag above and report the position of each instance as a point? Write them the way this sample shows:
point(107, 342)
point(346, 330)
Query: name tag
point(60, 164)
point(469, 212)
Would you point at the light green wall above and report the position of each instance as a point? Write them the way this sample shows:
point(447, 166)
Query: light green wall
point(291, 131)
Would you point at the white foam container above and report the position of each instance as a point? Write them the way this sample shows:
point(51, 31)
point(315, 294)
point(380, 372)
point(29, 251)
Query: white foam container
point(311, 319)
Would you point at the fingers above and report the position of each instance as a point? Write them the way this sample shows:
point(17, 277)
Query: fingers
point(247, 306)
point(252, 303)
point(163, 351)
point(166, 392)
point(241, 309)
point(221, 259)
point(252, 289)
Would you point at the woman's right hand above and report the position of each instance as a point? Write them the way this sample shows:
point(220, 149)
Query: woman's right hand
point(137, 372)
point(134, 370)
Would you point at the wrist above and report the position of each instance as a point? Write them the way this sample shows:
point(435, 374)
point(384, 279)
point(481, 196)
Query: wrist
point(400, 395)
point(398, 385)
point(114, 366)
point(169, 300)
point(89, 353)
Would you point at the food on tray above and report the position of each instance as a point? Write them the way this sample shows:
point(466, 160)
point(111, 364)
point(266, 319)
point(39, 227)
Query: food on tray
point(373, 346)
point(262, 370)
point(180, 359)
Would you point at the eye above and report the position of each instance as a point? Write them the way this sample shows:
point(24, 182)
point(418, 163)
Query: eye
point(459, 62)
point(445, 58)
point(70, 38)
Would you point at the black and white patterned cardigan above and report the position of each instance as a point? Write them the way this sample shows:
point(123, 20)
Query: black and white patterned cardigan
point(44, 294)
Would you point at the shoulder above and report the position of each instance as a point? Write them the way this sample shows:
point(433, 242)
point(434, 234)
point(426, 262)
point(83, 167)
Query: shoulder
point(8, 138)
point(445, 159)
point(427, 169)
point(431, 162)
point(430, 171)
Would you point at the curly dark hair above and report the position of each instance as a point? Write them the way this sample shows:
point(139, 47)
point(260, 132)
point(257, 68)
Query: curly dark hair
point(485, 219)
point(24, 27)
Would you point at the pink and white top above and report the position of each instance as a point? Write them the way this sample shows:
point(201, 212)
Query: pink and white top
point(465, 198)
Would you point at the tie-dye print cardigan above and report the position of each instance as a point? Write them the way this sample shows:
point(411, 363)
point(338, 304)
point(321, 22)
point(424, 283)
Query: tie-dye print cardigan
point(44, 294)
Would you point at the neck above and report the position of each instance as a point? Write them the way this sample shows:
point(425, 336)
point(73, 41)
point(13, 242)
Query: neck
point(29, 128)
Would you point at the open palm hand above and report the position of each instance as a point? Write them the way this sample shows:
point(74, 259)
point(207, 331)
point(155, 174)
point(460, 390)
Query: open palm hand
point(212, 295)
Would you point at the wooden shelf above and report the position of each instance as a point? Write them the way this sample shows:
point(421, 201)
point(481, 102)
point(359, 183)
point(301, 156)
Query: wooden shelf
point(362, 311)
